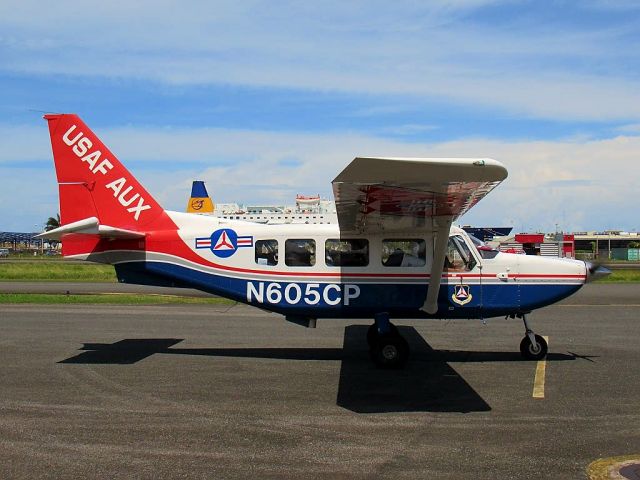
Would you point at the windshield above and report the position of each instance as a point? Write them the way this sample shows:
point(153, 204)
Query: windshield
point(483, 249)
point(458, 256)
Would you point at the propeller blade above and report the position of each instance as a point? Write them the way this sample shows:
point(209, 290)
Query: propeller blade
point(596, 271)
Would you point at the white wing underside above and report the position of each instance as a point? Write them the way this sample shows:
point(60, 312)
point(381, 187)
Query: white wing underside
point(375, 195)
point(409, 194)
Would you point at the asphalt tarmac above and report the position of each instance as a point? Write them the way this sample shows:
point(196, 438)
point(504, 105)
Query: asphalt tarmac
point(212, 392)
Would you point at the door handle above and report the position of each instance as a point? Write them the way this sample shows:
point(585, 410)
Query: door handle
point(503, 276)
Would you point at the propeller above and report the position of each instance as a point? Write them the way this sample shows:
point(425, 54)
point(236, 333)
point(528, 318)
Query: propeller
point(595, 271)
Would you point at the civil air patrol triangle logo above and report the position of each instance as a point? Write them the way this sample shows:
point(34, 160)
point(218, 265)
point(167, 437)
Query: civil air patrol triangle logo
point(461, 294)
point(224, 242)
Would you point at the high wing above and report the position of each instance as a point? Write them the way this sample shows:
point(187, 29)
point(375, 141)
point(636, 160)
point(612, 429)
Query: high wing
point(413, 194)
point(405, 194)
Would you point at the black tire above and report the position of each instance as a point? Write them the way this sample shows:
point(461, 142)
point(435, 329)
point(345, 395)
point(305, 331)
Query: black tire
point(390, 351)
point(372, 333)
point(528, 352)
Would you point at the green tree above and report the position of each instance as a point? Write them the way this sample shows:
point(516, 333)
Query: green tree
point(52, 222)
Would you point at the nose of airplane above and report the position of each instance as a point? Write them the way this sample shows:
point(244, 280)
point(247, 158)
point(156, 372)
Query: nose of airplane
point(596, 271)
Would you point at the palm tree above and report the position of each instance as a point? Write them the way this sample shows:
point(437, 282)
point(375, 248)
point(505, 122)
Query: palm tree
point(52, 222)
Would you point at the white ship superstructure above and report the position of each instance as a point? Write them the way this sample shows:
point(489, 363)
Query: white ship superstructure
point(307, 209)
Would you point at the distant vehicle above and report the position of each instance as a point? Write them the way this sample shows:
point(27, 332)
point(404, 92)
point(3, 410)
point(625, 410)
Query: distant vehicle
point(393, 253)
point(4, 252)
point(51, 253)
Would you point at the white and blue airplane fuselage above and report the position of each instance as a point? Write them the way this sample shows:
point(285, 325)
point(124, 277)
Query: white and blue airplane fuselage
point(393, 254)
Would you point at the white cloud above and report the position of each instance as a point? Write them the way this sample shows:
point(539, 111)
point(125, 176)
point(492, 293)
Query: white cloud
point(632, 128)
point(427, 49)
point(586, 184)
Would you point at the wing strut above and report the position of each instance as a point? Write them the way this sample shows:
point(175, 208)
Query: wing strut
point(442, 237)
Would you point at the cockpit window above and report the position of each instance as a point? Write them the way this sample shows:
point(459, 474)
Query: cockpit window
point(459, 257)
point(476, 241)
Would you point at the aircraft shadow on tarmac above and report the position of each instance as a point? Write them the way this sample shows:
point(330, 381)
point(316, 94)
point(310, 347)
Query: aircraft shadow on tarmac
point(427, 384)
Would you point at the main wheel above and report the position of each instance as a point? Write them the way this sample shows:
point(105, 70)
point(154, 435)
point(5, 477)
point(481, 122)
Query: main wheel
point(390, 351)
point(372, 333)
point(529, 352)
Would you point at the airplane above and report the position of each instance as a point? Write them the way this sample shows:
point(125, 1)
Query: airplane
point(394, 253)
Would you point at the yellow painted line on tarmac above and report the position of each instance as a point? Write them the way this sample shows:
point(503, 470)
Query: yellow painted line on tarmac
point(538, 381)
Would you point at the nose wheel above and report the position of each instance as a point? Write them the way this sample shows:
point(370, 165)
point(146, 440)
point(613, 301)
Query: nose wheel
point(531, 351)
point(532, 346)
point(388, 349)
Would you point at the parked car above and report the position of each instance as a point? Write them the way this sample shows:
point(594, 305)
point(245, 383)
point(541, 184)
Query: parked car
point(4, 252)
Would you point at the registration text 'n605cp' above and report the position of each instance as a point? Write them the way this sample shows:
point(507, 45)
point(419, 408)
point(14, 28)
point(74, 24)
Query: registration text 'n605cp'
point(297, 294)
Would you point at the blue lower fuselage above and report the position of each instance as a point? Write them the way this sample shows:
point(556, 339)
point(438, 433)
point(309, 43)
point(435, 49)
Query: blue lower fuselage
point(355, 298)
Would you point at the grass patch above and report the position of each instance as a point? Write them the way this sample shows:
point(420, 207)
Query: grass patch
point(111, 299)
point(622, 276)
point(57, 271)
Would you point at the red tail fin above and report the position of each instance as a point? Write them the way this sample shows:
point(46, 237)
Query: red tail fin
point(93, 182)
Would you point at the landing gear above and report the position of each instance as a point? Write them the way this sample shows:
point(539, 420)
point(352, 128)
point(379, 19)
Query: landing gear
point(532, 346)
point(372, 333)
point(387, 347)
point(531, 351)
point(390, 351)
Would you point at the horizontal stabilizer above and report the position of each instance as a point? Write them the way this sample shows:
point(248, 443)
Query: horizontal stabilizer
point(89, 226)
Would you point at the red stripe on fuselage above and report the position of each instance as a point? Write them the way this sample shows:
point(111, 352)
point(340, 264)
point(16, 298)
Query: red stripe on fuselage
point(169, 242)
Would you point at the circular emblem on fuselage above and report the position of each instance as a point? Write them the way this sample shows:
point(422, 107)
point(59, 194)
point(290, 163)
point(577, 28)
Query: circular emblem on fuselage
point(224, 242)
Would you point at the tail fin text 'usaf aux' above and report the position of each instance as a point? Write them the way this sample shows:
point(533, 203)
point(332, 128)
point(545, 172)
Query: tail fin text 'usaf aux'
point(94, 184)
point(101, 204)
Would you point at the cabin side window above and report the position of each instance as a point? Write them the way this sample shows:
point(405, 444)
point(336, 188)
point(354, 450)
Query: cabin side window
point(300, 253)
point(266, 252)
point(346, 253)
point(404, 253)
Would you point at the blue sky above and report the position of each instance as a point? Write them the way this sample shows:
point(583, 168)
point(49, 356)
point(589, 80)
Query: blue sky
point(264, 100)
